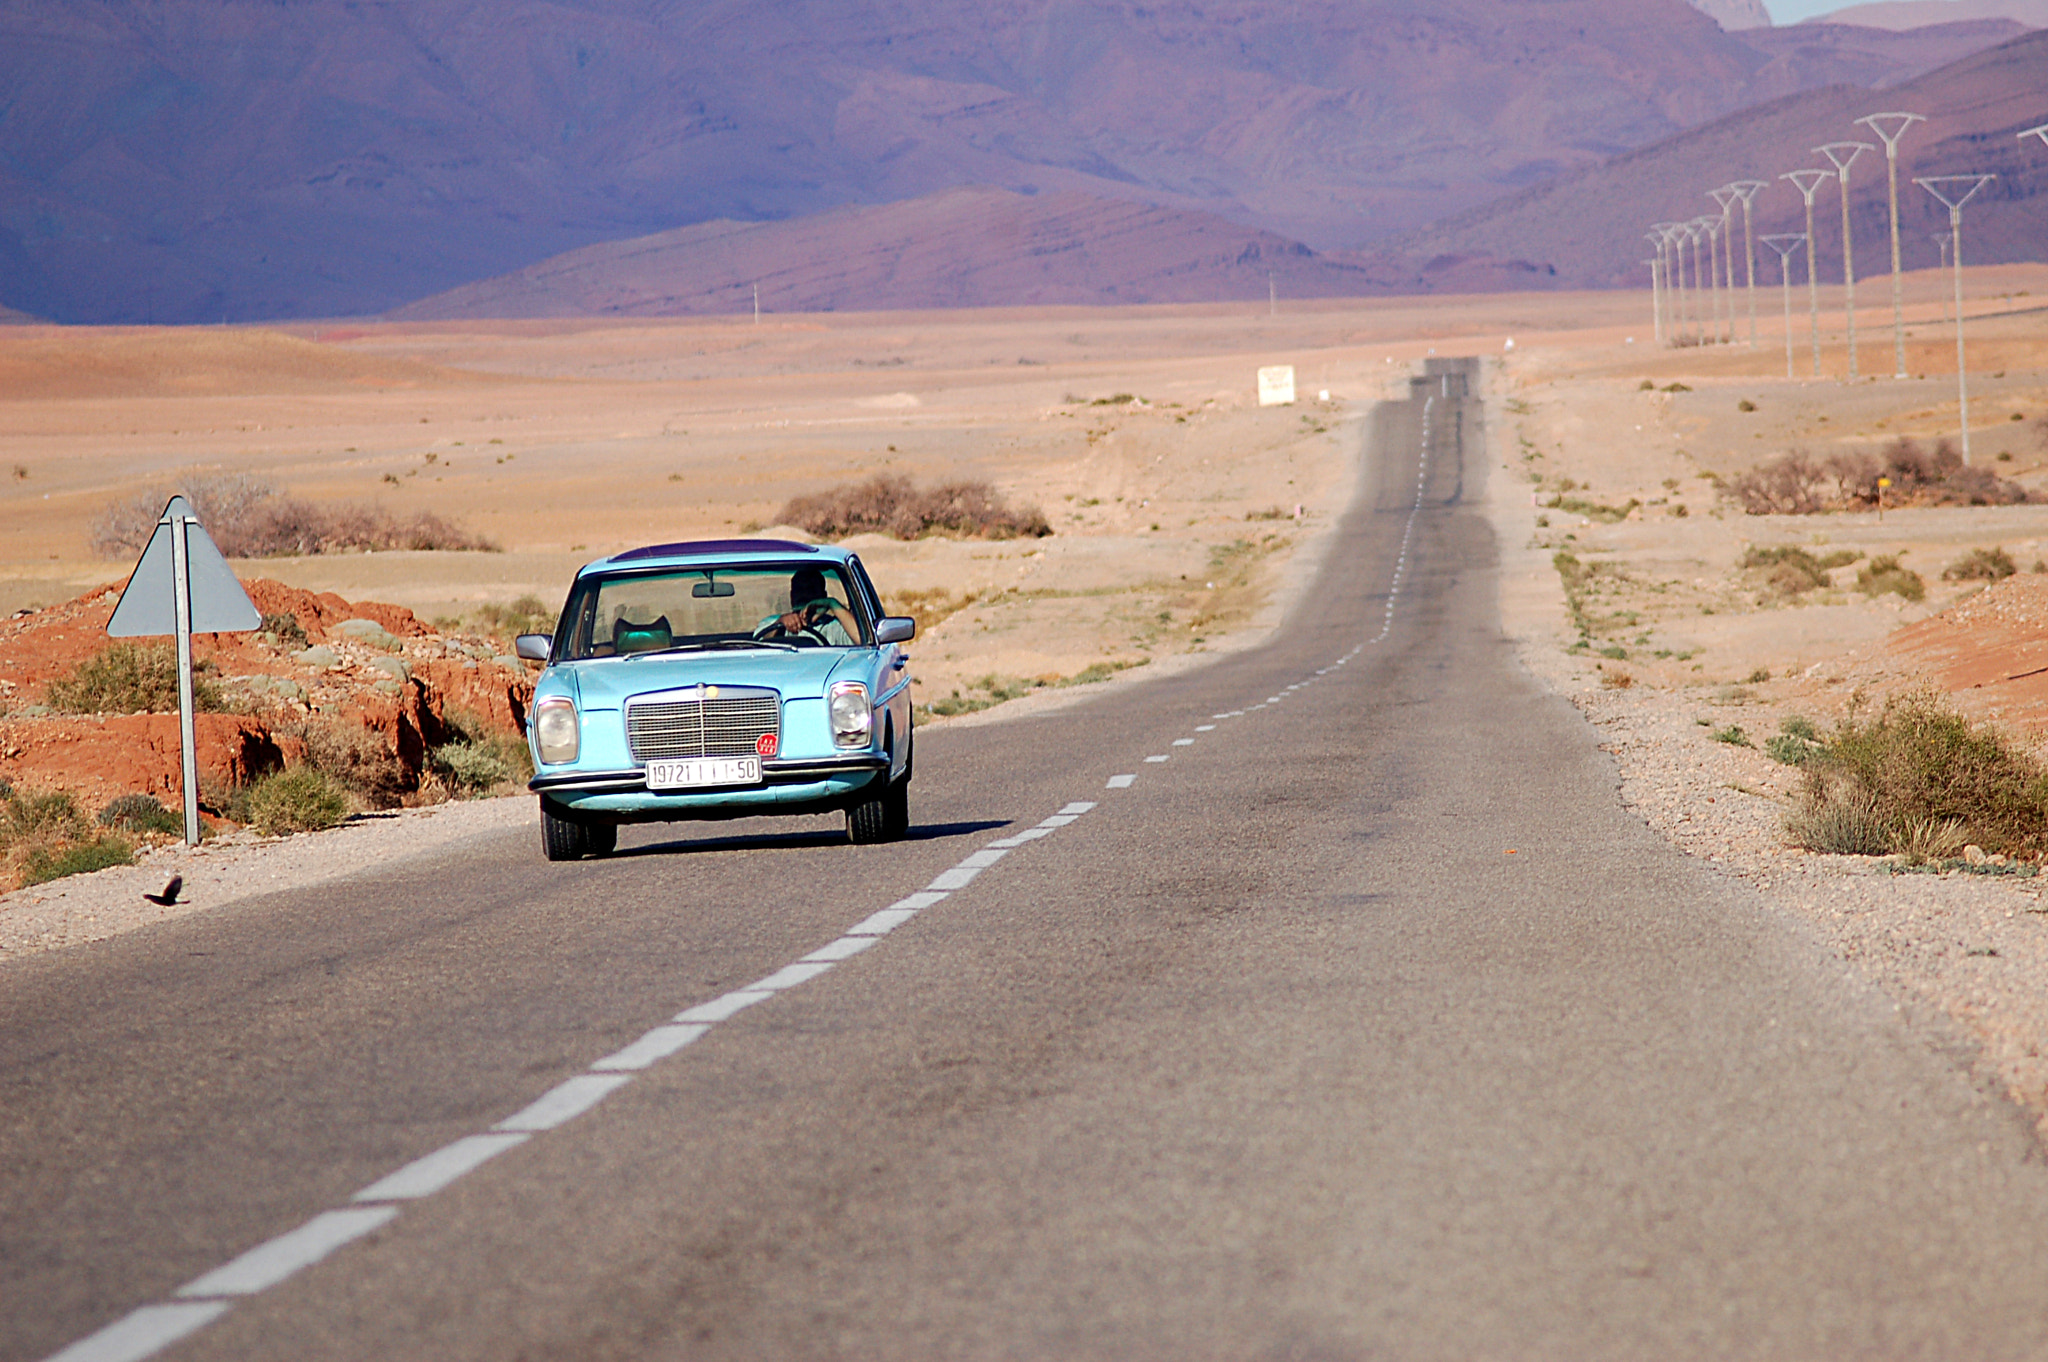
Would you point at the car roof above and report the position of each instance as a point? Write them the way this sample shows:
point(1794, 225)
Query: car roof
point(736, 551)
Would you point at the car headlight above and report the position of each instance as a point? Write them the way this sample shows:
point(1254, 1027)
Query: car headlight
point(853, 722)
point(555, 730)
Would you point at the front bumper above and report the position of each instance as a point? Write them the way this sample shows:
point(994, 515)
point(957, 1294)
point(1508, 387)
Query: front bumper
point(801, 786)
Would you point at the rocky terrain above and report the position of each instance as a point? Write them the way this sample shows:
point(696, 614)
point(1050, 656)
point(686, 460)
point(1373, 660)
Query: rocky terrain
point(366, 679)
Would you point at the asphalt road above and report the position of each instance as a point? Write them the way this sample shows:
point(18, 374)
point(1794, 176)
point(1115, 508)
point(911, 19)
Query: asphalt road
point(1366, 1024)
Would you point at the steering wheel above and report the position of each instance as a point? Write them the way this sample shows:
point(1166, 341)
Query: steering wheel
point(812, 625)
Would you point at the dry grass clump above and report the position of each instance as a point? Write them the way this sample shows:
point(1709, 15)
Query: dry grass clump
point(1980, 565)
point(479, 760)
point(356, 758)
point(929, 606)
point(127, 678)
point(1792, 571)
point(1919, 778)
point(47, 836)
point(1798, 484)
point(248, 518)
point(1885, 574)
point(302, 799)
point(893, 505)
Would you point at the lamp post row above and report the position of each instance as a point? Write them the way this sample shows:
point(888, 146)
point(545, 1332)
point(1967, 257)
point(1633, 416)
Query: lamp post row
point(1670, 238)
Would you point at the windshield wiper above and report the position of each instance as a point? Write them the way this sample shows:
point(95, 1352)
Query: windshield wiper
point(708, 645)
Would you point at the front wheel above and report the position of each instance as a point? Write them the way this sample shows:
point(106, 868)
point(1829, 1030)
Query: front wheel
point(565, 839)
point(885, 818)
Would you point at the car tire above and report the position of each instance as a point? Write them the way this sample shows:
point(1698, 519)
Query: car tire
point(884, 818)
point(565, 839)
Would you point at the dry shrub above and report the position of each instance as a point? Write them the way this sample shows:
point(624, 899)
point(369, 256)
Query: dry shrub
point(302, 799)
point(1921, 777)
point(893, 505)
point(357, 758)
point(1792, 571)
point(248, 518)
point(127, 678)
point(1980, 565)
point(1885, 573)
point(47, 836)
point(1796, 484)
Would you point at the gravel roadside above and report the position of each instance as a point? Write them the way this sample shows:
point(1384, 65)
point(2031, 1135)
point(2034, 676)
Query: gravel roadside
point(1964, 954)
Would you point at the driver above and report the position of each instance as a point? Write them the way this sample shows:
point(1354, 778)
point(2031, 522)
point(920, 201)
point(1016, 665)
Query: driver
point(813, 611)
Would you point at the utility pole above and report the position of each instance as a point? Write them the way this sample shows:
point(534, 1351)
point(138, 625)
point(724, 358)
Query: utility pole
point(1272, 296)
point(757, 304)
point(1954, 191)
point(1747, 190)
point(1843, 155)
point(2040, 132)
point(1705, 227)
point(1890, 127)
point(1696, 229)
point(1675, 299)
point(1726, 197)
point(1942, 239)
point(1784, 246)
point(1656, 264)
point(1809, 181)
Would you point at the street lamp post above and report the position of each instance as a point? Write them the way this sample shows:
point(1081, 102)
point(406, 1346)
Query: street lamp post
point(1954, 191)
point(1890, 127)
point(1747, 190)
point(1784, 246)
point(1843, 155)
point(1809, 181)
point(1678, 235)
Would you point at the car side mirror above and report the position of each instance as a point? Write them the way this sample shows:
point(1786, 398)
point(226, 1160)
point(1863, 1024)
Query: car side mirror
point(533, 647)
point(895, 629)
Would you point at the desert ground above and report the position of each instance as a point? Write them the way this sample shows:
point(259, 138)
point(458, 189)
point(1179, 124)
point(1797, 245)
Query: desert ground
point(1183, 516)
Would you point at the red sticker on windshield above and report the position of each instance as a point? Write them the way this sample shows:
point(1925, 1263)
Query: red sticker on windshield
point(765, 744)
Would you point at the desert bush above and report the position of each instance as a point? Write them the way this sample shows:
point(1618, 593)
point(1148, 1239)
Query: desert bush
point(527, 615)
point(248, 518)
point(1795, 743)
point(1733, 736)
point(1792, 571)
point(302, 799)
point(356, 758)
point(895, 506)
point(1844, 826)
point(141, 814)
point(1791, 484)
point(479, 759)
point(46, 836)
point(127, 678)
point(79, 858)
point(1916, 768)
point(1980, 565)
point(929, 606)
point(1794, 484)
point(1884, 574)
point(286, 626)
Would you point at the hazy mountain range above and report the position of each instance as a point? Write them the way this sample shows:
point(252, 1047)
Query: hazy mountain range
point(190, 160)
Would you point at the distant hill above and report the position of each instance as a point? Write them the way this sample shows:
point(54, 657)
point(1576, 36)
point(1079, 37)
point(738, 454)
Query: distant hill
point(1588, 226)
point(969, 247)
point(1903, 14)
point(1735, 14)
point(209, 160)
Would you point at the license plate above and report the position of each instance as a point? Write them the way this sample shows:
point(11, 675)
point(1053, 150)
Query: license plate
point(700, 771)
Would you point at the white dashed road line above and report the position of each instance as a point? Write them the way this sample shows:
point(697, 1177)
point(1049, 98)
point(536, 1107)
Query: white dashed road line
point(151, 1328)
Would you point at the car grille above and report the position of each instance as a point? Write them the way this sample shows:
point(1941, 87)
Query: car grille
point(726, 725)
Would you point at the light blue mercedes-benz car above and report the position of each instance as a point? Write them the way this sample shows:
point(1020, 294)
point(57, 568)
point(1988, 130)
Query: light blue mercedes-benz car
point(720, 679)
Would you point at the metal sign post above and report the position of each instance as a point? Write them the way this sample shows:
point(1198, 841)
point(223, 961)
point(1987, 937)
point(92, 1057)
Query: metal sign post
point(182, 585)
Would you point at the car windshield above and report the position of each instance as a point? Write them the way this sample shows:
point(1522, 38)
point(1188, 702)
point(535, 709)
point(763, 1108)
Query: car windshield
point(794, 605)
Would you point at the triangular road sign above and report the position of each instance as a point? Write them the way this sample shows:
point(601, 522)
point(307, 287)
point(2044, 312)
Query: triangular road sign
point(149, 605)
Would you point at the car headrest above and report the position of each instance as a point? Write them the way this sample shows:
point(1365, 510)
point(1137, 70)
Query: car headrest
point(628, 637)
